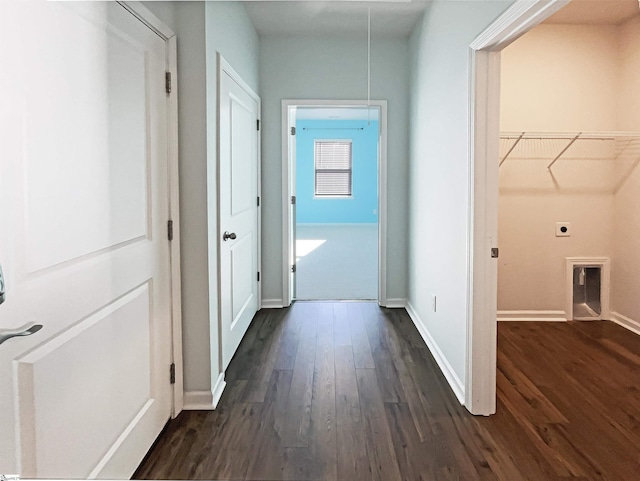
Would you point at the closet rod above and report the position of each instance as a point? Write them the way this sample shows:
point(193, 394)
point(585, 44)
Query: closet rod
point(564, 150)
point(511, 149)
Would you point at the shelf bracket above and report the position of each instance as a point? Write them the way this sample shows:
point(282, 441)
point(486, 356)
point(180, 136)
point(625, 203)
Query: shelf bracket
point(564, 150)
point(511, 149)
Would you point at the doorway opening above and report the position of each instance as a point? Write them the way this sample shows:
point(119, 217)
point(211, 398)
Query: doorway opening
point(334, 208)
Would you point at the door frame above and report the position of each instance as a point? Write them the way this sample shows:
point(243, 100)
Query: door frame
point(484, 134)
point(288, 167)
point(224, 66)
point(142, 13)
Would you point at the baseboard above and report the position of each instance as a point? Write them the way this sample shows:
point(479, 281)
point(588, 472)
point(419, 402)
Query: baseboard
point(626, 322)
point(549, 316)
point(205, 400)
point(396, 303)
point(218, 389)
point(272, 304)
point(456, 385)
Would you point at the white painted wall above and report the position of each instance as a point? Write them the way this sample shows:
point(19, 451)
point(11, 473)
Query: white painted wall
point(203, 28)
point(439, 174)
point(556, 78)
point(333, 68)
point(559, 78)
point(625, 269)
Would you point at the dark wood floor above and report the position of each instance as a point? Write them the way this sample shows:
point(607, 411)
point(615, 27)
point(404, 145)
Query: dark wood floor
point(348, 391)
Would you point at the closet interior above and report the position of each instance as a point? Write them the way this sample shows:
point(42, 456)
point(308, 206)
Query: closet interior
point(569, 203)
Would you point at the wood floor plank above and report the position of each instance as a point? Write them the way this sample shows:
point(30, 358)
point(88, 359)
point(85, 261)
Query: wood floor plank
point(362, 357)
point(353, 460)
point(306, 392)
point(388, 377)
point(267, 458)
point(323, 441)
point(341, 331)
point(382, 458)
point(290, 337)
point(296, 427)
point(269, 341)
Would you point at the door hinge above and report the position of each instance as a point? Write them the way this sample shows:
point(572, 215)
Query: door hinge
point(258, 277)
point(258, 124)
point(167, 82)
point(293, 131)
point(170, 230)
point(293, 199)
point(495, 252)
point(258, 201)
point(293, 268)
point(172, 373)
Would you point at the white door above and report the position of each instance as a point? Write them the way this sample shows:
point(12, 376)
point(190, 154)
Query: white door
point(239, 113)
point(83, 245)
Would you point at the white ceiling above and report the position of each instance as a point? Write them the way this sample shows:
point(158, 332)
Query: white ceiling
point(399, 17)
point(396, 18)
point(336, 113)
point(596, 12)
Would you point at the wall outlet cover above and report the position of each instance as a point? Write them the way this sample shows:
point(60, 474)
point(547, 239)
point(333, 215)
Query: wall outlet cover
point(563, 229)
point(434, 305)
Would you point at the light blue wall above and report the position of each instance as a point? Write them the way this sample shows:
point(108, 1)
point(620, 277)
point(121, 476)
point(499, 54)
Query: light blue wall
point(362, 207)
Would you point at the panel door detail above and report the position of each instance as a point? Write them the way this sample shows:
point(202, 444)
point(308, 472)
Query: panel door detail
point(238, 211)
point(83, 247)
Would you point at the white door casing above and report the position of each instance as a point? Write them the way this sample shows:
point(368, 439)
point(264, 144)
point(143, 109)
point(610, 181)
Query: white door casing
point(484, 133)
point(288, 189)
point(83, 245)
point(239, 233)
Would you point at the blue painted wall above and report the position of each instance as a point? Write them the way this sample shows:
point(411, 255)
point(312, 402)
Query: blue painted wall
point(362, 207)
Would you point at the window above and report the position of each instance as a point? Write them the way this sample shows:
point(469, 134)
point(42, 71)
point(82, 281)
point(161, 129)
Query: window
point(333, 168)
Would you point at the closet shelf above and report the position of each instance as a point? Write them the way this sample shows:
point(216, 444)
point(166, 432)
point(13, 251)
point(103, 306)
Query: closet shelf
point(622, 142)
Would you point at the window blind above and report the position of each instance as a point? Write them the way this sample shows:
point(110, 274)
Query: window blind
point(333, 168)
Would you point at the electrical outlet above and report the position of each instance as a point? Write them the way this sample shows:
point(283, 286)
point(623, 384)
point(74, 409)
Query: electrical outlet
point(434, 302)
point(375, 211)
point(563, 229)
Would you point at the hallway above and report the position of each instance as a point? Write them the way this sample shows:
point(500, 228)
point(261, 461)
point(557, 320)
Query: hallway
point(349, 391)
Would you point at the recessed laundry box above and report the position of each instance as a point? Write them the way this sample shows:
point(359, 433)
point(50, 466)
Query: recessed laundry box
point(587, 288)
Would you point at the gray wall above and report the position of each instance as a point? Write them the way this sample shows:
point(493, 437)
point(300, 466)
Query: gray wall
point(230, 32)
point(333, 68)
point(203, 29)
point(439, 171)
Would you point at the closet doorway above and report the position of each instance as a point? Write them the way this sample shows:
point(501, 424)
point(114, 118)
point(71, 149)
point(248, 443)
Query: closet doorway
point(334, 215)
point(609, 136)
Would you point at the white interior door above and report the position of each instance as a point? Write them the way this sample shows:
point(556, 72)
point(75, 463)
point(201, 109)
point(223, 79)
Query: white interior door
point(239, 111)
point(83, 246)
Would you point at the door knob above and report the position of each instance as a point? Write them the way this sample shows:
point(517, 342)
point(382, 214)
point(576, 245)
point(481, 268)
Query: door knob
point(5, 335)
point(227, 236)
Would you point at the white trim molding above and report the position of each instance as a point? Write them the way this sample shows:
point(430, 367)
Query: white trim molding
point(205, 400)
point(288, 174)
point(272, 304)
point(484, 133)
point(198, 401)
point(145, 15)
point(396, 303)
point(626, 322)
point(549, 316)
point(457, 386)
